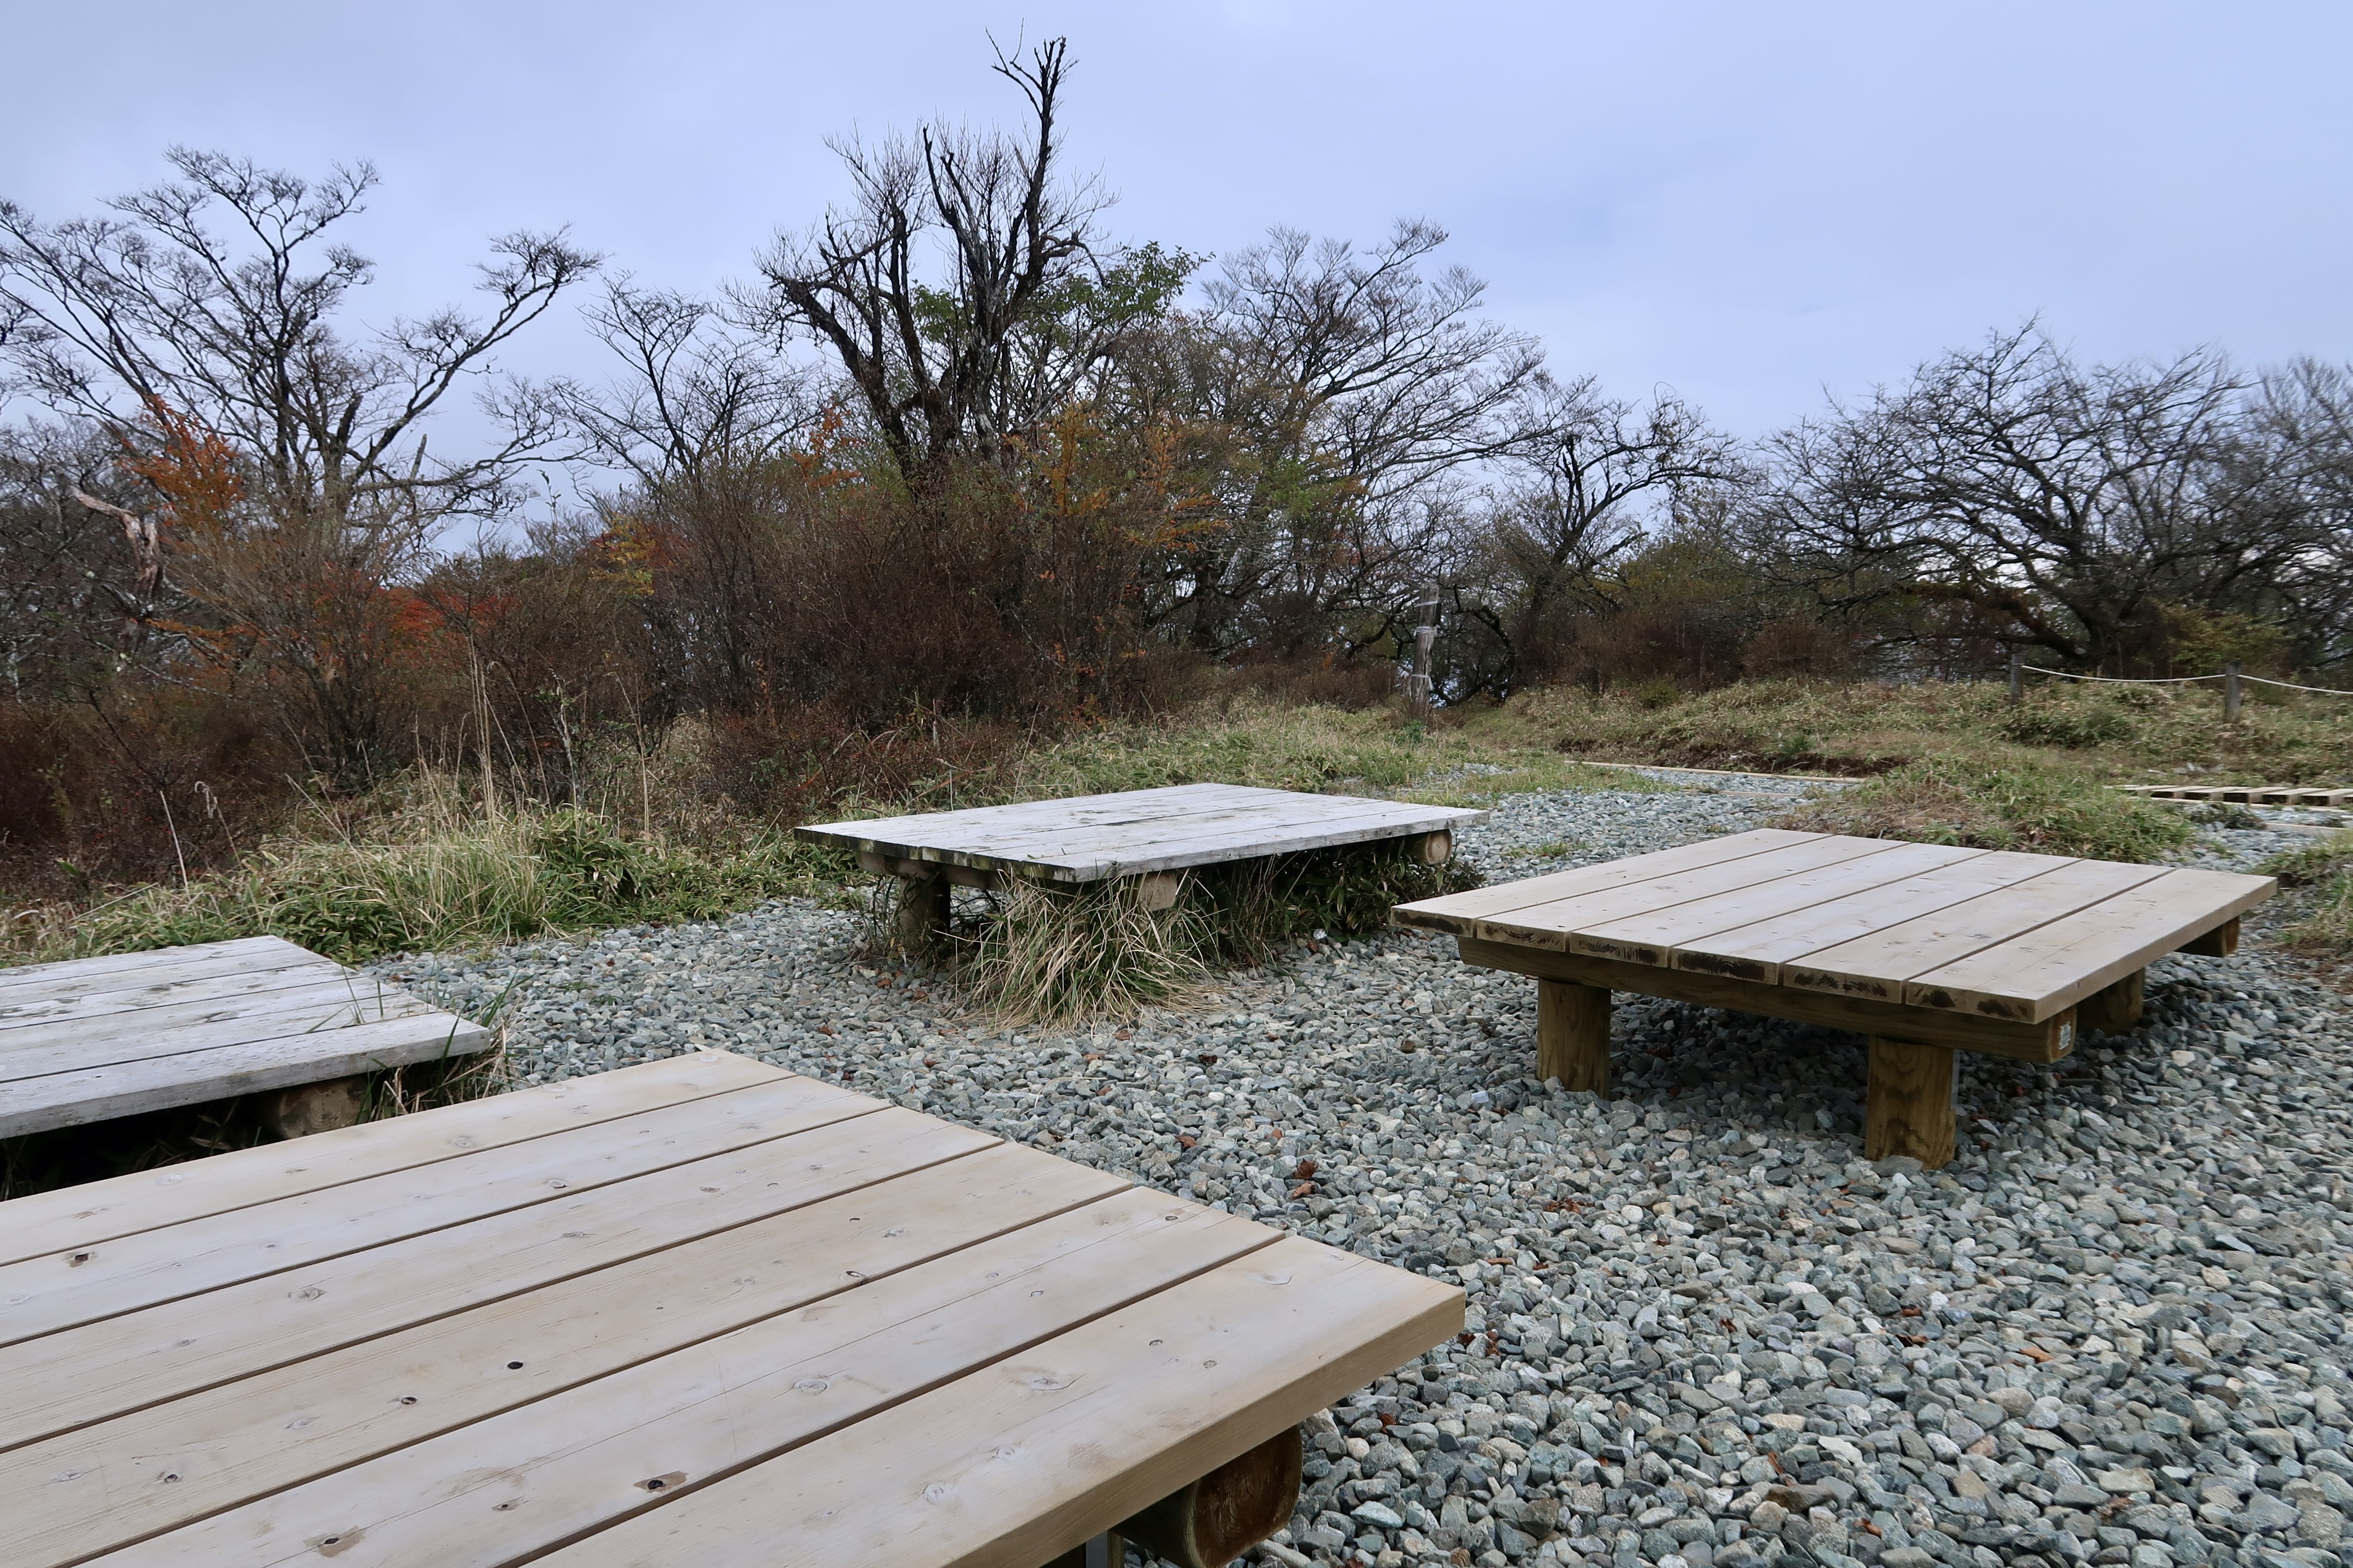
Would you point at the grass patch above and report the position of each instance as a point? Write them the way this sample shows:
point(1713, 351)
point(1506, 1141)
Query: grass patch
point(1044, 953)
point(1270, 746)
point(2322, 874)
point(434, 879)
point(1047, 954)
point(1954, 800)
point(1858, 729)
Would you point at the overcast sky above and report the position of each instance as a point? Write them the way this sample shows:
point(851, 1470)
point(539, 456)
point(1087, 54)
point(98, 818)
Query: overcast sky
point(1748, 204)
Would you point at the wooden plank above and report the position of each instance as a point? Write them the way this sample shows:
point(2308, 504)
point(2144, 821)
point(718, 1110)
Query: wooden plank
point(949, 826)
point(57, 1290)
point(2044, 1042)
point(1242, 843)
point(1758, 951)
point(1876, 966)
point(26, 1052)
point(1195, 843)
point(1458, 914)
point(1086, 838)
point(1554, 926)
point(1023, 1460)
point(121, 1037)
point(981, 824)
point(123, 997)
point(72, 1378)
point(518, 1483)
point(94, 1094)
point(2055, 965)
point(238, 950)
point(1657, 936)
point(1573, 1035)
point(1908, 1103)
point(1276, 813)
point(98, 1211)
point(101, 1487)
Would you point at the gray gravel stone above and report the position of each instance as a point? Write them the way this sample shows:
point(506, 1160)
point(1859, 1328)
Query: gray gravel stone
point(1702, 1329)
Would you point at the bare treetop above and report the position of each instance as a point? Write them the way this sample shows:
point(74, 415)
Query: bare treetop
point(1030, 301)
point(216, 297)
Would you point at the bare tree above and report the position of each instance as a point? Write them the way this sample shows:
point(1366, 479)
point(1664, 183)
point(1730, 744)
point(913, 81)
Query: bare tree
point(156, 308)
point(284, 458)
point(1031, 301)
point(1550, 545)
point(2297, 469)
point(1347, 397)
point(2067, 506)
point(695, 395)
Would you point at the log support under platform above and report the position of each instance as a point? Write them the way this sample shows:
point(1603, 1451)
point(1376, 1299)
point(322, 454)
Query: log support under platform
point(309, 1108)
point(920, 920)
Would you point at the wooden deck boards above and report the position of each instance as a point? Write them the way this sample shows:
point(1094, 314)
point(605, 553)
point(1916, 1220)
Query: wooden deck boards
point(93, 1038)
point(1087, 838)
point(875, 1337)
point(2047, 932)
point(1927, 949)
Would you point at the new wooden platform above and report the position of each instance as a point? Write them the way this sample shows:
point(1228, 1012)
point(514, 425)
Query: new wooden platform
point(698, 1311)
point(1152, 834)
point(97, 1037)
point(1926, 948)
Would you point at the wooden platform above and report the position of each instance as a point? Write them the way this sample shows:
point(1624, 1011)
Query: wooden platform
point(698, 1311)
point(2244, 794)
point(1926, 948)
point(1088, 838)
point(97, 1037)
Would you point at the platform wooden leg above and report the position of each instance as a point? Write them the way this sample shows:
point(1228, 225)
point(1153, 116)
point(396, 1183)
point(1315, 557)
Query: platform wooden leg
point(1908, 1103)
point(1573, 1035)
point(309, 1108)
point(1104, 1551)
point(2220, 942)
point(923, 913)
point(2118, 1008)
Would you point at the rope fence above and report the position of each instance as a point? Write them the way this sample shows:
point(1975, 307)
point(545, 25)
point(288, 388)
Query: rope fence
point(2230, 679)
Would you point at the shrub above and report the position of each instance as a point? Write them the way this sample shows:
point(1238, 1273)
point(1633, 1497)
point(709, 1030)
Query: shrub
point(2069, 719)
point(2046, 810)
point(2324, 925)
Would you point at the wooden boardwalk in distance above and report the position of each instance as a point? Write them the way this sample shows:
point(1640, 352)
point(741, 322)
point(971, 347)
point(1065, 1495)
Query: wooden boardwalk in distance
point(92, 1038)
point(701, 1310)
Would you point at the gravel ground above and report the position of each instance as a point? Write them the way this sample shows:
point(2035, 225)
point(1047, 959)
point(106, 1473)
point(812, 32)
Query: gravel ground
point(1702, 1329)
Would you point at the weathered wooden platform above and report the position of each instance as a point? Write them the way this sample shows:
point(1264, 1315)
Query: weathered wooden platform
point(702, 1311)
point(1088, 838)
point(1926, 948)
point(99, 1038)
point(1151, 834)
point(2245, 795)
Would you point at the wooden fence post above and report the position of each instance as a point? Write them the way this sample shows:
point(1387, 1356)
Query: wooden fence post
point(1418, 683)
point(2231, 692)
point(2017, 674)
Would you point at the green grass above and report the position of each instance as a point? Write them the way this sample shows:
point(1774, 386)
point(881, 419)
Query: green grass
point(2320, 876)
point(428, 880)
point(2118, 734)
point(2017, 806)
point(1271, 746)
